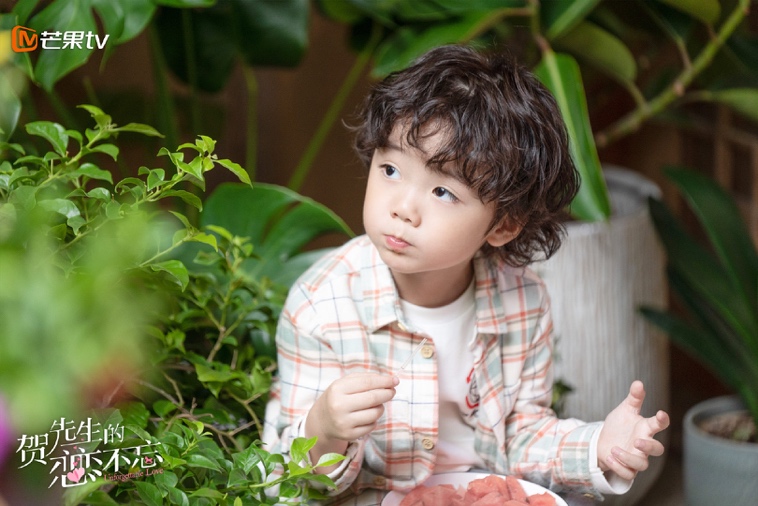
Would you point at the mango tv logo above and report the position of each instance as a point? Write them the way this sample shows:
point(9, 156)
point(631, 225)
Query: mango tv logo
point(23, 39)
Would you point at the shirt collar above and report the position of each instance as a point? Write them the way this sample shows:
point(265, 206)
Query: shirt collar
point(382, 302)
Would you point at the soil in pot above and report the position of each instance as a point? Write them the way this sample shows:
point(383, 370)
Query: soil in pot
point(735, 425)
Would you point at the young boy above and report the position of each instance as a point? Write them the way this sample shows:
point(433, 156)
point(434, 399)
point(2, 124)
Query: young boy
point(469, 176)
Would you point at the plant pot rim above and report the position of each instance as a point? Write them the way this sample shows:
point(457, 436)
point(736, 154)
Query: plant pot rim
point(710, 407)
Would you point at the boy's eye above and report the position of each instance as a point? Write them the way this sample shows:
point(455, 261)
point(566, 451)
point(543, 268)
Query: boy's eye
point(444, 194)
point(390, 171)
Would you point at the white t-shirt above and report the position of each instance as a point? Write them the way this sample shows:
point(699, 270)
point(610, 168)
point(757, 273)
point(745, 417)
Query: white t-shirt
point(452, 328)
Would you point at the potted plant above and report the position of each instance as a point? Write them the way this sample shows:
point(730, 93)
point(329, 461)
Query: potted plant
point(716, 285)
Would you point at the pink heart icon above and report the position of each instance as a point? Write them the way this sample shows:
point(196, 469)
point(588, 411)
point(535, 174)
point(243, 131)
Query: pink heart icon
point(76, 474)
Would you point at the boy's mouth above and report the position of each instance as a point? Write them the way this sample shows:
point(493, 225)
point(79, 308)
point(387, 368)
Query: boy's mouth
point(395, 243)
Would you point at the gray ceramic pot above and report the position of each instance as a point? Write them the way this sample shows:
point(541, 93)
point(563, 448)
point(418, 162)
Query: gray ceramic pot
point(718, 471)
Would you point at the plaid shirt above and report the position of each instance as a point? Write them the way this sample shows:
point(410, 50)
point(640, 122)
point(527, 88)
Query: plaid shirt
point(343, 316)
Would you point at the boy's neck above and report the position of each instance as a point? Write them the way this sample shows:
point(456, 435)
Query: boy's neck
point(435, 288)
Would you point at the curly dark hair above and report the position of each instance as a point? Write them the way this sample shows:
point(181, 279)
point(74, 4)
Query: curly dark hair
point(504, 136)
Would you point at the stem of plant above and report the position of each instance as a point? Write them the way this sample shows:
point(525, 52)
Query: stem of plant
point(251, 138)
point(305, 163)
point(632, 121)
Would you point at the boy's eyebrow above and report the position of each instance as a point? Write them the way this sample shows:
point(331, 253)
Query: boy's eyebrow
point(395, 147)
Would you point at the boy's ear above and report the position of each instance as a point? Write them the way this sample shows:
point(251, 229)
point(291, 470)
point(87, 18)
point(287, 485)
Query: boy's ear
point(503, 233)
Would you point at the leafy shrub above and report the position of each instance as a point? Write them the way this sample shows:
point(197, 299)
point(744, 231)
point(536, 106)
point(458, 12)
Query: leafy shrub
point(116, 299)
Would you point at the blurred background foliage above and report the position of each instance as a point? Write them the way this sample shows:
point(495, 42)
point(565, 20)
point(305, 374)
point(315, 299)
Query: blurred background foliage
point(648, 58)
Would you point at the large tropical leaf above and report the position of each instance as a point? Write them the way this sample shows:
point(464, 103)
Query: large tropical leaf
point(560, 74)
point(704, 275)
point(204, 44)
point(558, 16)
point(600, 49)
point(408, 43)
point(725, 227)
point(707, 11)
point(279, 222)
point(743, 100)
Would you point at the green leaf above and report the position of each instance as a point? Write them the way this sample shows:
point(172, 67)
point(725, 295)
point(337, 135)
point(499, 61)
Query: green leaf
point(186, 196)
point(300, 448)
point(149, 493)
point(10, 108)
point(727, 231)
point(54, 133)
point(163, 408)
point(100, 194)
point(93, 110)
point(207, 374)
point(109, 149)
point(600, 49)
point(154, 178)
point(278, 221)
point(139, 128)
point(207, 492)
point(61, 206)
point(560, 74)
point(75, 495)
point(559, 16)
point(93, 172)
point(175, 269)
point(704, 347)
point(197, 460)
point(206, 239)
point(183, 219)
point(407, 44)
point(275, 31)
point(62, 17)
point(707, 11)
point(329, 459)
point(99, 498)
point(742, 100)
point(236, 169)
point(177, 496)
point(23, 9)
point(705, 277)
point(134, 413)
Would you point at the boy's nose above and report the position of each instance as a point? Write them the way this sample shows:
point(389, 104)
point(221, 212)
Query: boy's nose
point(405, 208)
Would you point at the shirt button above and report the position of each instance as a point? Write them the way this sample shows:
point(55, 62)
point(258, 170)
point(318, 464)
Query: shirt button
point(427, 443)
point(380, 481)
point(402, 326)
point(427, 351)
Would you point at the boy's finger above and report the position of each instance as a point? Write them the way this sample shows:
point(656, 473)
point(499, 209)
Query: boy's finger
point(649, 447)
point(636, 396)
point(365, 400)
point(658, 422)
point(620, 469)
point(635, 462)
point(364, 382)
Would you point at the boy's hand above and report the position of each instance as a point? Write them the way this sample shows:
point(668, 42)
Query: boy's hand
point(347, 410)
point(626, 440)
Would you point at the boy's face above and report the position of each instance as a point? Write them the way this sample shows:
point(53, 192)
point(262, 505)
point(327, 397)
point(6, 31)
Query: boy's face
point(423, 221)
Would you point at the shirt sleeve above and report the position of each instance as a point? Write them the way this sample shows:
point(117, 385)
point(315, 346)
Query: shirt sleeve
point(541, 447)
point(306, 368)
point(609, 482)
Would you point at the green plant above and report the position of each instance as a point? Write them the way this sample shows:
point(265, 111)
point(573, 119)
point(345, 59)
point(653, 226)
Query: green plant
point(117, 299)
point(716, 284)
point(198, 41)
point(631, 47)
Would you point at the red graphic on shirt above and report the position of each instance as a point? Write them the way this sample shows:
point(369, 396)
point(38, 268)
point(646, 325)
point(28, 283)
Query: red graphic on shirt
point(472, 398)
